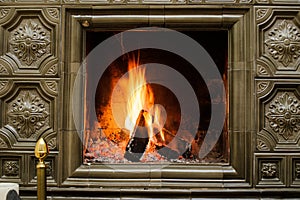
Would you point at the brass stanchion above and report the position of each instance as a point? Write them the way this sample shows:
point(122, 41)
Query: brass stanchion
point(41, 151)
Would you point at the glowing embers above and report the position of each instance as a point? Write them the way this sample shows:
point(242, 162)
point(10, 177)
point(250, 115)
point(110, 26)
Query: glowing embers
point(136, 121)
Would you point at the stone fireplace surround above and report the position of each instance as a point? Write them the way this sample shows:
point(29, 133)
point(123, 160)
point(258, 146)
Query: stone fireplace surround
point(263, 93)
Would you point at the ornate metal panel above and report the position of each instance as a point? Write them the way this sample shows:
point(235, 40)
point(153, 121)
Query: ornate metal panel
point(30, 40)
point(278, 42)
point(271, 171)
point(29, 112)
point(12, 168)
point(29, 82)
point(277, 62)
point(279, 116)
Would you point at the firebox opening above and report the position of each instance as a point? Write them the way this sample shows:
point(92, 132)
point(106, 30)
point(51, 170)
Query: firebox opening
point(152, 115)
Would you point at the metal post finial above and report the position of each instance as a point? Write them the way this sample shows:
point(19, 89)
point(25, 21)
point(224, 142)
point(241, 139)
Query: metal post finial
point(41, 151)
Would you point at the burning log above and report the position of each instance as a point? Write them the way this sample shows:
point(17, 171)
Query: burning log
point(139, 140)
point(171, 152)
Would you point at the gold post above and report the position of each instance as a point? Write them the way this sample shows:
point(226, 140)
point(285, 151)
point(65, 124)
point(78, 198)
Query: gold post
point(41, 151)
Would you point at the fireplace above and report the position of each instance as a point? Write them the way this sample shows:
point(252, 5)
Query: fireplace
point(123, 92)
point(116, 124)
point(108, 153)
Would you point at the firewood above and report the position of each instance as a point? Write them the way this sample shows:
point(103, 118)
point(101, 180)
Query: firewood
point(139, 140)
point(171, 151)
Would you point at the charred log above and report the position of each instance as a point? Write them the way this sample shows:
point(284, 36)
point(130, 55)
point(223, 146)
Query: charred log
point(139, 140)
point(171, 151)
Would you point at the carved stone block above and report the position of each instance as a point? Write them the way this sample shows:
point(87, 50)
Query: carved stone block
point(278, 41)
point(10, 168)
point(283, 115)
point(28, 113)
point(30, 42)
point(270, 170)
point(282, 42)
point(279, 120)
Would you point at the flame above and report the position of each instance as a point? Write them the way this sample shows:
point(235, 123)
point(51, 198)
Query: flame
point(142, 98)
point(159, 119)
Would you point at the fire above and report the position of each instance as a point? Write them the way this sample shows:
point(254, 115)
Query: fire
point(142, 98)
point(159, 119)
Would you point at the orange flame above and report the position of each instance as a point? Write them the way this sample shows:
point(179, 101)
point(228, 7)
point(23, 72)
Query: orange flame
point(142, 98)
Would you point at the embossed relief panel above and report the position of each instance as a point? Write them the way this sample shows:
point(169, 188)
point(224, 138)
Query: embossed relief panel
point(278, 42)
point(28, 114)
point(31, 41)
point(11, 168)
point(5, 13)
point(279, 118)
point(282, 43)
point(270, 171)
point(283, 116)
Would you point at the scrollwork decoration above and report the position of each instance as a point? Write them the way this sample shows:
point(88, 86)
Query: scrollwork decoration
point(260, 13)
point(262, 71)
point(53, 12)
point(261, 145)
point(52, 85)
point(11, 168)
point(4, 12)
point(52, 70)
point(52, 143)
point(261, 86)
point(30, 41)
point(28, 114)
point(3, 84)
point(284, 115)
point(3, 144)
point(3, 70)
point(283, 43)
point(269, 170)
